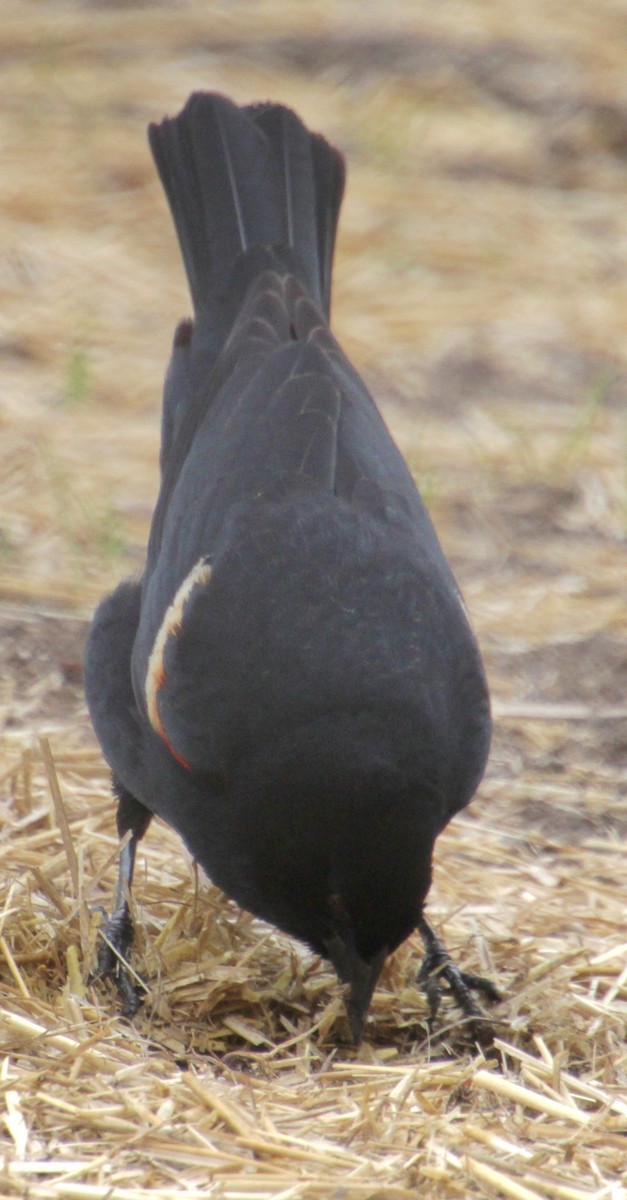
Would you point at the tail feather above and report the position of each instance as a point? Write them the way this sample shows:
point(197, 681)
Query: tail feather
point(239, 178)
point(313, 176)
point(291, 147)
point(330, 176)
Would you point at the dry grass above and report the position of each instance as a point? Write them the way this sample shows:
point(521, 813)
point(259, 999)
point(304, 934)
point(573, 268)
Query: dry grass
point(482, 286)
point(234, 1081)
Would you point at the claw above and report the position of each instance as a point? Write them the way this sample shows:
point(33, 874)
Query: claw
point(112, 963)
point(117, 936)
point(438, 965)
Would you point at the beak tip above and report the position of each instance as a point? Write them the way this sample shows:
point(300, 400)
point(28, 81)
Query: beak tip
point(361, 976)
point(356, 1022)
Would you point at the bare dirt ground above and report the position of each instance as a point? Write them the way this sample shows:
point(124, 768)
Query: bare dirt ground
point(482, 290)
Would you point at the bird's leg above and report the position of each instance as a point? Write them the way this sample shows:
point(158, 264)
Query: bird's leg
point(117, 934)
point(437, 965)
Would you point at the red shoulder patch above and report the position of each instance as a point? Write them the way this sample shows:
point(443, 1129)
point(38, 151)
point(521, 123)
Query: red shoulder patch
point(200, 574)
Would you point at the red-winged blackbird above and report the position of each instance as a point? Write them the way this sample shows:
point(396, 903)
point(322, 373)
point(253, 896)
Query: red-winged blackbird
point(293, 685)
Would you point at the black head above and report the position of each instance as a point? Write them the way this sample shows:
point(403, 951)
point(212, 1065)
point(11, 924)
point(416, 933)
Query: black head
point(333, 841)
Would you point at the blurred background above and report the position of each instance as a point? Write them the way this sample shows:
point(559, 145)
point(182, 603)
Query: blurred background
point(481, 288)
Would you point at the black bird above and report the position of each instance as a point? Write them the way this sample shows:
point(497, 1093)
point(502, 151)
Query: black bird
point(294, 685)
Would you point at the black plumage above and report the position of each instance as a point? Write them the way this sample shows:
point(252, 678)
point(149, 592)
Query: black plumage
point(293, 685)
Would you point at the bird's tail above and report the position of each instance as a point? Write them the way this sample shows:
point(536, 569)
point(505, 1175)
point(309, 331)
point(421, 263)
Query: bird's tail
point(240, 178)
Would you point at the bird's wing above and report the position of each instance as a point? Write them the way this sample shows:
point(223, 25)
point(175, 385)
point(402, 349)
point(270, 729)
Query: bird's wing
point(281, 399)
point(282, 411)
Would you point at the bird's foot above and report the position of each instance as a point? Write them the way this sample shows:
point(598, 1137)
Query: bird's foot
point(116, 937)
point(438, 966)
